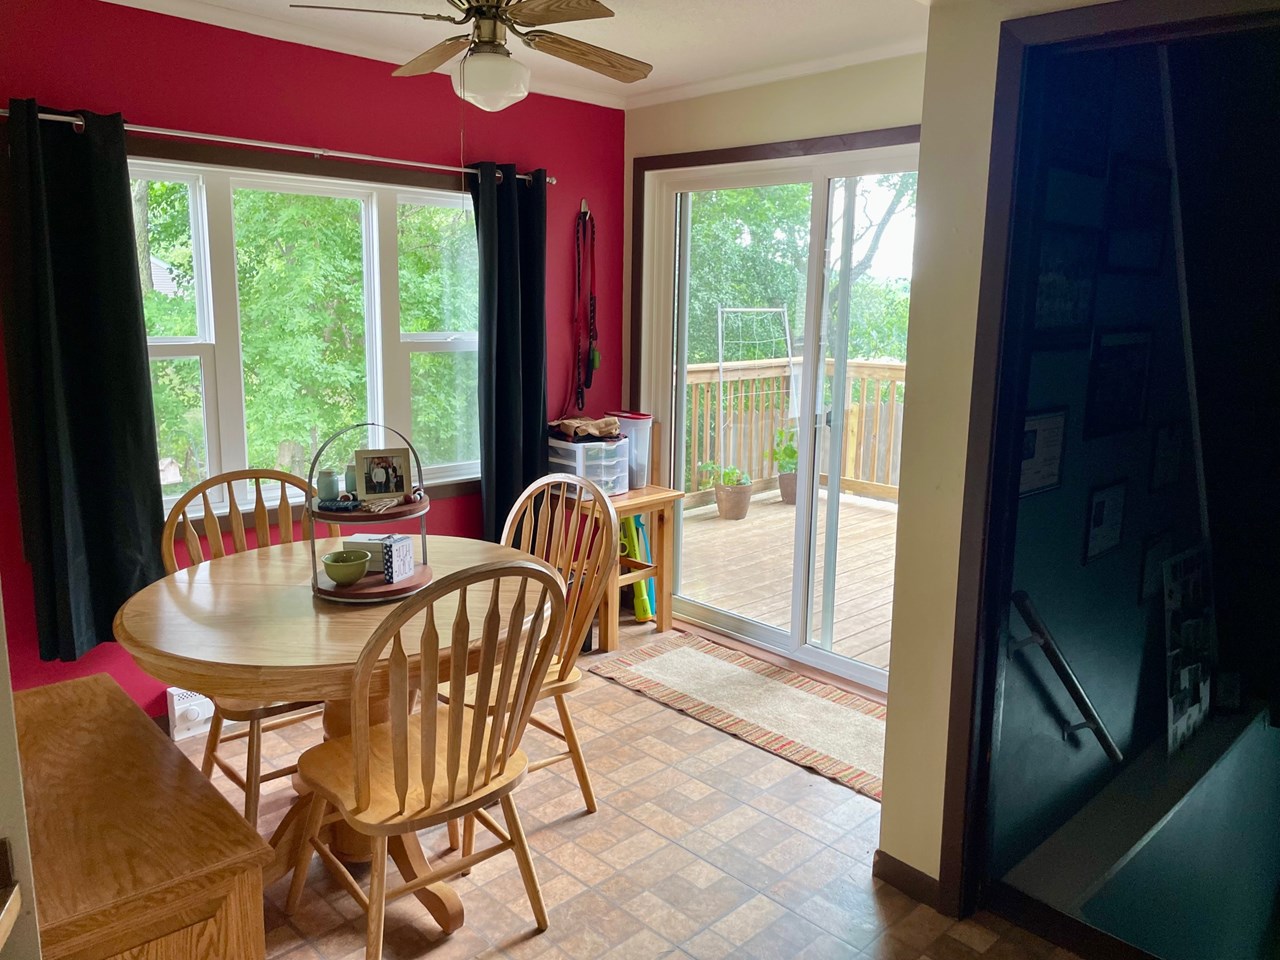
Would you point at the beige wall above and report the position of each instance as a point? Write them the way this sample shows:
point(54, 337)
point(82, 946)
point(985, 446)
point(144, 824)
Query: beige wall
point(868, 96)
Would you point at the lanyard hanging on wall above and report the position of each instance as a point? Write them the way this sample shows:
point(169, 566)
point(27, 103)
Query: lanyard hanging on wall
point(586, 354)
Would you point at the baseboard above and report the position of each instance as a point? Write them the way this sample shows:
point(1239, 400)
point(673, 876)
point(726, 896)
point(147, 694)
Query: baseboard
point(914, 883)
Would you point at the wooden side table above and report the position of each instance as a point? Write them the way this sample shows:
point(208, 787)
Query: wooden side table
point(660, 504)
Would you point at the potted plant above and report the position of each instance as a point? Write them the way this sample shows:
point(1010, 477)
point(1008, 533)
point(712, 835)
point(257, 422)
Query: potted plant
point(785, 459)
point(733, 490)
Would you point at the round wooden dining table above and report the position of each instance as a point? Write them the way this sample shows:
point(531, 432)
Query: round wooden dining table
point(247, 626)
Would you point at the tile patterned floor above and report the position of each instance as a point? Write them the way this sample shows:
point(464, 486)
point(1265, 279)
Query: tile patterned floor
point(704, 846)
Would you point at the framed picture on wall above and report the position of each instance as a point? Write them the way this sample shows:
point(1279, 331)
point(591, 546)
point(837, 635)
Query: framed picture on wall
point(1117, 392)
point(1065, 282)
point(1167, 442)
point(1137, 216)
point(1043, 438)
point(1104, 520)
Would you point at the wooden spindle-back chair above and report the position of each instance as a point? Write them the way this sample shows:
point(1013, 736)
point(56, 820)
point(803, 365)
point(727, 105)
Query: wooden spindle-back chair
point(568, 522)
point(418, 770)
point(253, 712)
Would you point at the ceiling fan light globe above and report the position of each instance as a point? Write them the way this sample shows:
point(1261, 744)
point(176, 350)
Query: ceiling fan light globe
point(491, 81)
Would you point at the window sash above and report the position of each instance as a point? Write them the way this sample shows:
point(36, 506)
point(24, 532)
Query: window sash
point(388, 351)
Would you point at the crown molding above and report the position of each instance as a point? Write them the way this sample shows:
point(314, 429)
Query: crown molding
point(756, 78)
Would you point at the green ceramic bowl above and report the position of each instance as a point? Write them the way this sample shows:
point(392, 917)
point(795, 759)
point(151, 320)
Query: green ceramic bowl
point(346, 566)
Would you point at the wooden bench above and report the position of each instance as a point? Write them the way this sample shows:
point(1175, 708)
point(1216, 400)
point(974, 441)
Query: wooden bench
point(134, 853)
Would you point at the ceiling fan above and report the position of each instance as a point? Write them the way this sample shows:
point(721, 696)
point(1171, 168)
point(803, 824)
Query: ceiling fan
point(488, 75)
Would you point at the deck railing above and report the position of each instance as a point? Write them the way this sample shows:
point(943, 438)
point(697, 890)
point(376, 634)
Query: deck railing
point(734, 411)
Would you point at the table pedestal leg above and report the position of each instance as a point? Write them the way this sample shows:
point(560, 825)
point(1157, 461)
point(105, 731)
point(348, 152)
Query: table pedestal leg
point(440, 899)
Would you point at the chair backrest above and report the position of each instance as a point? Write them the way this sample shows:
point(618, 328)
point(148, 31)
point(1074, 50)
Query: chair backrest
point(510, 646)
point(570, 523)
point(213, 529)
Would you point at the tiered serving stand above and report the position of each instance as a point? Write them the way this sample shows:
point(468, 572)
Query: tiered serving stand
point(373, 587)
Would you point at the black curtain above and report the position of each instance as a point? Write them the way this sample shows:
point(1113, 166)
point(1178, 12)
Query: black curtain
point(76, 352)
point(511, 229)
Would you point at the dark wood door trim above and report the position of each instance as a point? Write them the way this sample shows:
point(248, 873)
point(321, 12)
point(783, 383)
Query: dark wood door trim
point(1125, 22)
point(780, 150)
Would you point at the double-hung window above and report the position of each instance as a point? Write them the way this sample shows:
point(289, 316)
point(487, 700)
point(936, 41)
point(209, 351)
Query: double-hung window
point(280, 309)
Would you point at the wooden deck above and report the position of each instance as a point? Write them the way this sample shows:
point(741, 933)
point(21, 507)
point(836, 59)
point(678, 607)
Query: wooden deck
point(745, 566)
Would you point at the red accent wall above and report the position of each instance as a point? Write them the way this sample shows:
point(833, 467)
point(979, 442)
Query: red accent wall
point(168, 72)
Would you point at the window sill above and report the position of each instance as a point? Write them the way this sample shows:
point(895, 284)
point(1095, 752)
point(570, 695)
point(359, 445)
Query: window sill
point(439, 490)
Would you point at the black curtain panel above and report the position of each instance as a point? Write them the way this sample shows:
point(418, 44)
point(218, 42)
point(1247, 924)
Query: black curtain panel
point(511, 229)
point(76, 353)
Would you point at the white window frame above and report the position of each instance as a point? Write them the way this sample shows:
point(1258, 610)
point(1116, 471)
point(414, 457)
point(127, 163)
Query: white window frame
point(388, 350)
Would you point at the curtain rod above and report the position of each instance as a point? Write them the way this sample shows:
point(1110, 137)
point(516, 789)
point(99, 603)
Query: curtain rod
point(269, 145)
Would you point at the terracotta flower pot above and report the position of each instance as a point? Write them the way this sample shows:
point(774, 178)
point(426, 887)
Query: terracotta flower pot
point(733, 502)
point(787, 487)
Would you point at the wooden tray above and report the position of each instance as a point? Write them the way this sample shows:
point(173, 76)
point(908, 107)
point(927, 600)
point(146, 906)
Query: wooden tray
point(403, 511)
point(373, 587)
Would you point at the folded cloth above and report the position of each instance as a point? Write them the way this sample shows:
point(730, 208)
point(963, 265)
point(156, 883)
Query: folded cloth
point(573, 427)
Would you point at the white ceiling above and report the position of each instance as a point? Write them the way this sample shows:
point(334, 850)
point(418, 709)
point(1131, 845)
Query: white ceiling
point(695, 46)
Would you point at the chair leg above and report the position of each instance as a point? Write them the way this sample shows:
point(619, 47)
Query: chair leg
point(520, 846)
point(468, 839)
point(302, 859)
point(575, 753)
point(253, 774)
point(377, 899)
point(454, 841)
point(211, 744)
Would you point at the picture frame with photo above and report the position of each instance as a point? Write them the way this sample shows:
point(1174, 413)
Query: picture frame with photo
point(1043, 440)
point(1104, 520)
point(1116, 397)
point(1065, 281)
point(382, 474)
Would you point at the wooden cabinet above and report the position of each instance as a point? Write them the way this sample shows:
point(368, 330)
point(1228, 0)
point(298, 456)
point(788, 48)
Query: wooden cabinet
point(136, 856)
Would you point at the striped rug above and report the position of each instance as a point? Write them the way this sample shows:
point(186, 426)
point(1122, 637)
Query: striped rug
point(816, 725)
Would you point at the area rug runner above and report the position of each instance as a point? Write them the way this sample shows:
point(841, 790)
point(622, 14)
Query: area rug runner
point(816, 725)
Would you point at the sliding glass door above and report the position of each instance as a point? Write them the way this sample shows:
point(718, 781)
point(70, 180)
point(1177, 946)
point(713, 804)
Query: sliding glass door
point(788, 290)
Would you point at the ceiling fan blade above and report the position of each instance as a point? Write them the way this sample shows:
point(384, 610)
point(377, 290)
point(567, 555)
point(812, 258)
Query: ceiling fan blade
point(602, 61)
point(540, 13)
point(427, 61)
point(398, 13)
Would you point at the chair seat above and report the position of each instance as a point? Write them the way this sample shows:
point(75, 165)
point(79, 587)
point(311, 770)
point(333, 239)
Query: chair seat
point(241, 711)
point(329, 769)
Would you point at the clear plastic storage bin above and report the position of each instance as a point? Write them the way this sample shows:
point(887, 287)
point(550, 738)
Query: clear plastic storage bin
point(604, 463)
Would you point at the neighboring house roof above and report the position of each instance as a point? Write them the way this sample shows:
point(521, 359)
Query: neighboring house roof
point(162, 278)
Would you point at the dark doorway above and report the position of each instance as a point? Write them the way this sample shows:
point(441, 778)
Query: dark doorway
point(1125, 781)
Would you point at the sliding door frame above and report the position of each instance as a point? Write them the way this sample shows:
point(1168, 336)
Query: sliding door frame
point(659, 294)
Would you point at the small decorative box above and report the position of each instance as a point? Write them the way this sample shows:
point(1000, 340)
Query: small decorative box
point(389, 554)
